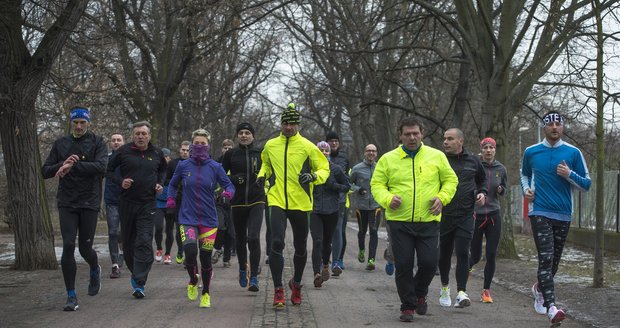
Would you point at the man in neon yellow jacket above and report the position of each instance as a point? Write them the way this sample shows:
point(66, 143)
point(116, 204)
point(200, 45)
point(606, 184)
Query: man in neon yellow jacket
point(413, 183)
point(297, 165)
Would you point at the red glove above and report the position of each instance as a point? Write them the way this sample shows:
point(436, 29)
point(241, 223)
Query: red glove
point(171, 202)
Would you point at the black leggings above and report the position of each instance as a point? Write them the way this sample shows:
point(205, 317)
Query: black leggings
point(159, 227)
point(72, 221)
point(247, 221)
point(322, 227)
point(490, 227)
point(226, 232)
point(448, 243)
point(299, 224)
point(368, 219)
point(549, 237)
point(170, 237)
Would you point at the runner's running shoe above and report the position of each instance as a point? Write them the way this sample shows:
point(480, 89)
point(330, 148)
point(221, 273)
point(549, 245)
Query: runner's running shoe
point(296, 292)
point(336, 268)
point(486, 296)
point(216, 256)
point(72, 304)
point(462, 300)
point(192, 292)
point(167, 259)
point(539, 300)
point(205, 300)
point(556, 315)
point(371, 265)
point(138, 291)
point(116, 272)
point(389, 269)
point(180, 258)
point(325, 273)
point(422, 306)
point(243, 278)
point(158, 255)
point(253, 284)
point(278, 298)
point(361, 256)
point(406, 315)
point(444, 297)
point(94, 284)
point(318, 280)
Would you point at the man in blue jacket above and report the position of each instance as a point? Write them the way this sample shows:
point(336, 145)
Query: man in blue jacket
point(556, 167)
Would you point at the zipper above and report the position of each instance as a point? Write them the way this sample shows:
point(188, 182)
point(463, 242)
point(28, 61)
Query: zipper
point(285, 175)
point(247, 174)
point(414, 187)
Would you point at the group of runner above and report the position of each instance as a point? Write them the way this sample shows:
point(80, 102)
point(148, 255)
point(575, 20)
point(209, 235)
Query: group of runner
point(427, 197)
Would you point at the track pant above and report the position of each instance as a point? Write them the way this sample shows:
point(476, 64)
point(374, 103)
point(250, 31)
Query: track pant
point(368, 219)
point(410, 240)
point(137, 221)
point(114, 232)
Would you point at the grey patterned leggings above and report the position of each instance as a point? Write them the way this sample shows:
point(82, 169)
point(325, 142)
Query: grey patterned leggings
point(549, 237)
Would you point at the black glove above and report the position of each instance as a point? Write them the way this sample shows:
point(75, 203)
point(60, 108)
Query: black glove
point(305, 178)
point(238, 178)
point(362, 191)
point(260, 182)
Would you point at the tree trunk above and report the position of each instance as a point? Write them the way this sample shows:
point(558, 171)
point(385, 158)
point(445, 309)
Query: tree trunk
point(27, 210)
point(598, 277)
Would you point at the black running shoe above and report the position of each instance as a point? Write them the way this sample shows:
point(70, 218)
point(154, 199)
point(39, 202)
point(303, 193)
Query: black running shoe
point(95, 281)
point(422, 306)
point(72, 304)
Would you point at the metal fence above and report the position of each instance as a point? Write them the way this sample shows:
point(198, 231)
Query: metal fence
point(584, 204)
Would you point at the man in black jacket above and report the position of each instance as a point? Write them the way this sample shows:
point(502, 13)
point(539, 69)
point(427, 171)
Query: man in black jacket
point(457, 221)
point(79, 161)
point(243, 163)
point(143, 168)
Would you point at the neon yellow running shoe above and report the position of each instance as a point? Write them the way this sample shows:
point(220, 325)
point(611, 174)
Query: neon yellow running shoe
point(192, 292)
point(205, 300)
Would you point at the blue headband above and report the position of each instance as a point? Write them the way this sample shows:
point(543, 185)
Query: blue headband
point(80, 112)
point(553, 117)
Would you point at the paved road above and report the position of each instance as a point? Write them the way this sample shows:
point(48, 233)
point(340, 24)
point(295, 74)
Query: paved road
point(357, 298)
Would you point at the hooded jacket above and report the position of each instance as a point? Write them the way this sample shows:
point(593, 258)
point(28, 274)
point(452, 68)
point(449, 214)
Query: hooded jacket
point(360, 177)
point(82, 186)
point(199, 180)
point(496, 176)
point(286, 158)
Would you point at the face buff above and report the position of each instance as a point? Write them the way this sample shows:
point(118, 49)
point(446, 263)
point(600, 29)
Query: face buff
point(199, 152)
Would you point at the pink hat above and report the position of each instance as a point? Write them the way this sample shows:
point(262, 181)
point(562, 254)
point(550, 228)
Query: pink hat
point(488, 140)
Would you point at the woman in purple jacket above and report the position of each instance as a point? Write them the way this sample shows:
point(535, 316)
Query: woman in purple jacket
point(199, 177)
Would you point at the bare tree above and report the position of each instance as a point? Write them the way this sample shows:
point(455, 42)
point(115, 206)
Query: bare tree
point(23, 72)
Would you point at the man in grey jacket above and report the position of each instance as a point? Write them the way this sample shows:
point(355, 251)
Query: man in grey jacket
point(367, 211)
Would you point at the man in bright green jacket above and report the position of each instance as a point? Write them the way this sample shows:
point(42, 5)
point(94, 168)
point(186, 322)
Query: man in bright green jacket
point(413, 183)
point(297, 165)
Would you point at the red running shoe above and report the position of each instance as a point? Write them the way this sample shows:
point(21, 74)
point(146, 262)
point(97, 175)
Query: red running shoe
point(278, 298)
point(296, 292)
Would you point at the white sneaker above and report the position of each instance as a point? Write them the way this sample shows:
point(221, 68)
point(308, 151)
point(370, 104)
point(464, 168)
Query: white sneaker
point(444, 297)
point(556, 315)
point(539, 300)
point(462, 300)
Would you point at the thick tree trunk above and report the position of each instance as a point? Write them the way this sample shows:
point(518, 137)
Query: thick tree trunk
point(28, 211)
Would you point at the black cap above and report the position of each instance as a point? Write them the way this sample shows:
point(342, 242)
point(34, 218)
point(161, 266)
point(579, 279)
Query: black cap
point(245, 126)
point(332, 135)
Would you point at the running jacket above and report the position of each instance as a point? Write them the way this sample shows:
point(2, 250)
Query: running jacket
point(112, 192)
point(472, 181)
point(553, 197)
point(147, 168)
point(198, 181)
point(496, 176)
point(360, 177)
point(82, 186)
point(416, 180)
point(286, 158)
point(326, 195)
point(339, 157)
point(244, 161)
